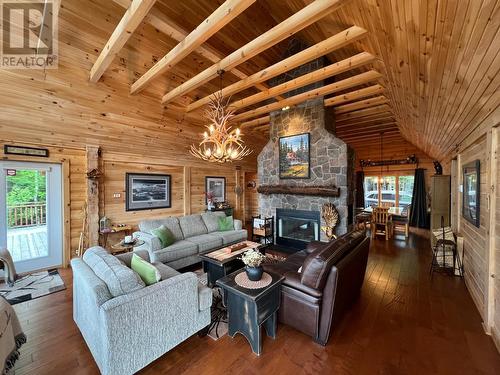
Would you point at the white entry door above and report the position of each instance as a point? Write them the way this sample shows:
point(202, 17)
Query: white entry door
point(31, 222)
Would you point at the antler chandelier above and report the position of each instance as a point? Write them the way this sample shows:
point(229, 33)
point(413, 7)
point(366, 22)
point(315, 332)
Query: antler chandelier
point(221, 143)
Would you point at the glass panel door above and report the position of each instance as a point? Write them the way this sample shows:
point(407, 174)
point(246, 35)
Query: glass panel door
point(388, 191)
point(405, 191)
point(31, 214)
point(371, 191)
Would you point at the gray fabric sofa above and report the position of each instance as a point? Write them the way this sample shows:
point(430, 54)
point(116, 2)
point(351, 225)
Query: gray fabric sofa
point(194, 235)
point(127, 325)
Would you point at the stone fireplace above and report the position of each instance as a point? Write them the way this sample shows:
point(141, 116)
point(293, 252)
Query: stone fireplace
point(331, 163)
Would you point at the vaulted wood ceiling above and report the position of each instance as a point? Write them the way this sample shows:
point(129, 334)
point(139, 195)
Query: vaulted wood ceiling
point(434, 63)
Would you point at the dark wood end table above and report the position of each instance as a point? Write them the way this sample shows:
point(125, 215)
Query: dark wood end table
point(250, 309)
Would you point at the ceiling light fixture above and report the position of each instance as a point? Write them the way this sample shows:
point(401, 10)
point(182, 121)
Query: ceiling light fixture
point(220, 142)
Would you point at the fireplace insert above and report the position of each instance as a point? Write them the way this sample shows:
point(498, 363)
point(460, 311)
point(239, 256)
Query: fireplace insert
point(296, 228)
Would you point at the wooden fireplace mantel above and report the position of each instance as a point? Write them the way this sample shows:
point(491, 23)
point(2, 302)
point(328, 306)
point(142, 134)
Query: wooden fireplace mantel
point(321, 191)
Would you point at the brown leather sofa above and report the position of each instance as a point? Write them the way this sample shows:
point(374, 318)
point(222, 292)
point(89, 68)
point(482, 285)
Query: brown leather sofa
point(330, 279)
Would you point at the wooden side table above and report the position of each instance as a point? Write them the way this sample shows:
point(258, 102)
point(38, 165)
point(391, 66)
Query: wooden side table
point(250, 309)
point(115, 229)
point(122, 247)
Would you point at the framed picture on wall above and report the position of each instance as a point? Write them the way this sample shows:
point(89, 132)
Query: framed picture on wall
point(294, 156)
point(217, 187)
point(147, 191)
point(471, 192)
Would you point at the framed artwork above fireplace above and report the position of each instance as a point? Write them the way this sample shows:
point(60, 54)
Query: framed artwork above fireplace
point(294, 156)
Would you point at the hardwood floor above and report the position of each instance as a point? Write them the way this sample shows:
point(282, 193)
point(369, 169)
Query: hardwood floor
point(403, 323)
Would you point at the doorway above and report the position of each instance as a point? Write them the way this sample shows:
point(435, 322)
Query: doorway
point(31, 219)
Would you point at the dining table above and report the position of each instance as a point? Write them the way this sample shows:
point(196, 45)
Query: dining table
point(393, 211)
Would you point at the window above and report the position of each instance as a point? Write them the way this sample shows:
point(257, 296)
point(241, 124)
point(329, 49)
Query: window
point(388, 191)
point(371, 191)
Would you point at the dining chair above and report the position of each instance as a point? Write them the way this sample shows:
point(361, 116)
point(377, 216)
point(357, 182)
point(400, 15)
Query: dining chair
point(381, 222)
point(362, 220)
point(402, 221)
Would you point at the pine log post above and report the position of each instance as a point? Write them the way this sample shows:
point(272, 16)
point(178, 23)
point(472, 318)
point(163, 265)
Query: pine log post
point(93, 197)
point(320, 191)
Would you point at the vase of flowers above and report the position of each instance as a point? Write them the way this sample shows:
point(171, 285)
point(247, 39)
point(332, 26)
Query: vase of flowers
point(253, 260)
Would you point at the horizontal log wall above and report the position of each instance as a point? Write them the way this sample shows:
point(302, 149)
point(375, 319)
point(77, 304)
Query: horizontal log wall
point(61, 110)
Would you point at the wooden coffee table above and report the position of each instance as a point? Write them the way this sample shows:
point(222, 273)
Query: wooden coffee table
point(220, 263)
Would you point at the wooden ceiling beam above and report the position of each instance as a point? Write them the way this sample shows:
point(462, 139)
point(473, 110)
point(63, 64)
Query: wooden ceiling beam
point(354, 95)
point(257, 121)
point(364, 126)
point(367, 103)
point(133, 16)
point(303, 18)
point(387, 136)
point(344, 84)
point(336, 41)
point(262, 127)
point(353, 62)
point(224, 14)
point(367, 130)
point(364, 113)
point(171, 29)
point(366, 120)
point(389, 145)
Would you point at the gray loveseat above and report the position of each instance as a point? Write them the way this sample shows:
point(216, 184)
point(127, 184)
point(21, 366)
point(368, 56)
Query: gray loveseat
point(194, 235)
point(126, 324)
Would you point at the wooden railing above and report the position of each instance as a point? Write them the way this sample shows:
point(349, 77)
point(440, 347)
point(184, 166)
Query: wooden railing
point(27, 215)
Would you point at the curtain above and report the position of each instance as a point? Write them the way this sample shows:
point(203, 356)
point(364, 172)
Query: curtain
point(418, 214)
point(360, 189)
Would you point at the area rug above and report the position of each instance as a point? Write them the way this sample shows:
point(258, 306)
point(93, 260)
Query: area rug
point(33, 285)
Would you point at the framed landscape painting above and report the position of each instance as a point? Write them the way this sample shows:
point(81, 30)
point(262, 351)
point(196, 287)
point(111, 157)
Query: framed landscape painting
point(294, 156)
point(147, 191)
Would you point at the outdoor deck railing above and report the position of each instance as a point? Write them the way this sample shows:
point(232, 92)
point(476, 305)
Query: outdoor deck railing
point(27, 214)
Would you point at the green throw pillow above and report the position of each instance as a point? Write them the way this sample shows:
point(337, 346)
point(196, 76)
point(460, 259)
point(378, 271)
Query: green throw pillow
point(165, 235)
point(226, 223)
point(148, 273)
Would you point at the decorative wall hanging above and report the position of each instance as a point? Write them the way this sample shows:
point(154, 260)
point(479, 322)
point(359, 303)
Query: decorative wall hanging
point(145, 191)
point(411, 159)
point(294, 156)
point(26, 151)
point(471, 193)
point(330, 215)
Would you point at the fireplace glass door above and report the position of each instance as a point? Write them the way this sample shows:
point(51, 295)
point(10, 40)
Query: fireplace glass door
point(297, 228)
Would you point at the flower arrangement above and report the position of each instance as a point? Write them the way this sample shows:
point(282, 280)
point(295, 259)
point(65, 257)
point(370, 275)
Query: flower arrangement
point(253, 258)
point(210, 200)
point(210, 197)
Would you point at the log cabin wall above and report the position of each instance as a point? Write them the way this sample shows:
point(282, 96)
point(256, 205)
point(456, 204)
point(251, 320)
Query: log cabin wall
point(481, 245)
point(61, 110)
point(475, 247)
